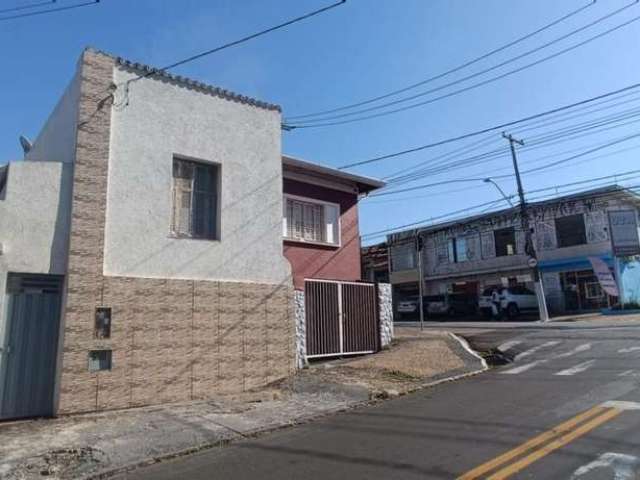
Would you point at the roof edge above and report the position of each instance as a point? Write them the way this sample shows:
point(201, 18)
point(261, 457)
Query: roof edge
point(603, 192)
point(186, 81)
point(365, 184)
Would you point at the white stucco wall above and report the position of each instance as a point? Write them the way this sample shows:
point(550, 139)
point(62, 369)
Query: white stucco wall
point(164, 119)
point(34, 221)
point(56, 142)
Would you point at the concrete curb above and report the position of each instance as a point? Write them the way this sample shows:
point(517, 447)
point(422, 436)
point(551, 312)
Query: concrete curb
point(236, 435)
point(464, 344)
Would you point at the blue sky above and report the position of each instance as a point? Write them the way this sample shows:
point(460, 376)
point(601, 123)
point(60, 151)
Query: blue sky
point(359, 50)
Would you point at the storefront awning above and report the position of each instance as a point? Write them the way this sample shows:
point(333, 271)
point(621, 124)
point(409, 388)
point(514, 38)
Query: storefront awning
point(572, 264)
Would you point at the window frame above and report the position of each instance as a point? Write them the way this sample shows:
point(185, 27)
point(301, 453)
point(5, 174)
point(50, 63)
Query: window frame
point(315, 201)
point(217, 170)
point(584, 230)
point(462, 240)
point(454, 249)
point(411, 254)
point(515, 242)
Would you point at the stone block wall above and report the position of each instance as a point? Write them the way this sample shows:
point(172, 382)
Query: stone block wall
point(171, 340)
point(301, 328)
point(385, 310)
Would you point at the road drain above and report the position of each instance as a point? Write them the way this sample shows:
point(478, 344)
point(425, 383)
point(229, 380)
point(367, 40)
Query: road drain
point(495, 357)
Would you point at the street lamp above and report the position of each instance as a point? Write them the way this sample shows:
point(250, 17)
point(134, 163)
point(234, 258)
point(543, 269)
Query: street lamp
point(508, 199)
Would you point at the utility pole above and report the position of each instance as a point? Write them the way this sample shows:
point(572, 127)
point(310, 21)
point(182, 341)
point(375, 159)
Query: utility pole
point(526, 227)
point(418, 240)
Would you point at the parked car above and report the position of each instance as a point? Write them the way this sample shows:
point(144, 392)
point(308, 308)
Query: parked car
point(408, 306)
point(450, 304)
point(517, 299)
point(512, 301)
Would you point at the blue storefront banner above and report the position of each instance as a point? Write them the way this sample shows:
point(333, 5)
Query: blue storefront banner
point(572, 264)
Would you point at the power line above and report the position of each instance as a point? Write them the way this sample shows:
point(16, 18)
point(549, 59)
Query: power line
point(239, 41)
point(560, 136)
point(448, 155)
point(494, 128)
point(414, 171)
point(50, 10)
point(555, 187)
point(448, 72)
point(573, 157)
point(27, 6)
point(470, 87)
point(429, 222)
point(496, 177)
point(472, 75)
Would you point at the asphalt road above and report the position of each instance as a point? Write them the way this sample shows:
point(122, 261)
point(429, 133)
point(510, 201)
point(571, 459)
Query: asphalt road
point(495, 425)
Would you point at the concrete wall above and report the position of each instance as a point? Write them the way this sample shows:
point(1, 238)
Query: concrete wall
point(326, 262)
point(163, 119)
point(56, 142)
point(34, 222)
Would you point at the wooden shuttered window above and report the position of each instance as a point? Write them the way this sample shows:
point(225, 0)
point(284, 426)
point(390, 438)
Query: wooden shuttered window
point(195, 199)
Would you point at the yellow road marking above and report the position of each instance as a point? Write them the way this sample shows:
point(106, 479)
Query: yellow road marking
point(534, 442)
point(554, 445)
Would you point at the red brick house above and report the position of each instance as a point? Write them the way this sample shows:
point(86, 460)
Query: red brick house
point(320, 221)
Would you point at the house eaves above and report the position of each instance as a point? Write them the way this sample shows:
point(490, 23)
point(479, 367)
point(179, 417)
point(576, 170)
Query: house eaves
point(363, 184)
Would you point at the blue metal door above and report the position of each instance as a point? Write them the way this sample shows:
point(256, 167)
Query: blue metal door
point(29, 349)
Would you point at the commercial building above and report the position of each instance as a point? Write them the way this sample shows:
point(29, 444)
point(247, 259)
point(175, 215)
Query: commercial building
point(488, 250)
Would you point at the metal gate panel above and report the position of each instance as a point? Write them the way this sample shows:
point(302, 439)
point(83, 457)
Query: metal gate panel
point(322, 316)
point(360, 320)
point(29, 352)
point(341, 318)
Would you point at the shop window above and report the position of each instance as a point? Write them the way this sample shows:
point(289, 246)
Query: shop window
point(570, 231)
point(103, 322)
point(593, 291)
point(505, 241)
point(99, 360)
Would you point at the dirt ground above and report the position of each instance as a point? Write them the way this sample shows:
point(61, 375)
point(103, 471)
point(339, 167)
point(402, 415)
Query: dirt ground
point(414, 359)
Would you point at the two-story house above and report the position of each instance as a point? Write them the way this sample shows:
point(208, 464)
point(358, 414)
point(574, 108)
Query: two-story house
point(142, 257)
point(488, 250)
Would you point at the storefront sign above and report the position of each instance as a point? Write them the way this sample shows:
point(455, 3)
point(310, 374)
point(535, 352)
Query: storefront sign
point(605, 277)
point(624, 232)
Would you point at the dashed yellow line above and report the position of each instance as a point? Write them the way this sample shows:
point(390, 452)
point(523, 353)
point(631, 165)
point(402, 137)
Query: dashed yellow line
point(543, 444)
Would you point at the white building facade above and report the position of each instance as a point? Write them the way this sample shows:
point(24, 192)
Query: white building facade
point(141, 257)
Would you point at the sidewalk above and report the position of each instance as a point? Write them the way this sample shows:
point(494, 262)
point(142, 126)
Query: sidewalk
point(101, 444)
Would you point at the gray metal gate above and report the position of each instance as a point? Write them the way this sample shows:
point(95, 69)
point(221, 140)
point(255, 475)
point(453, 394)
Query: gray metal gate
point(29, 350)
point(341, 318)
